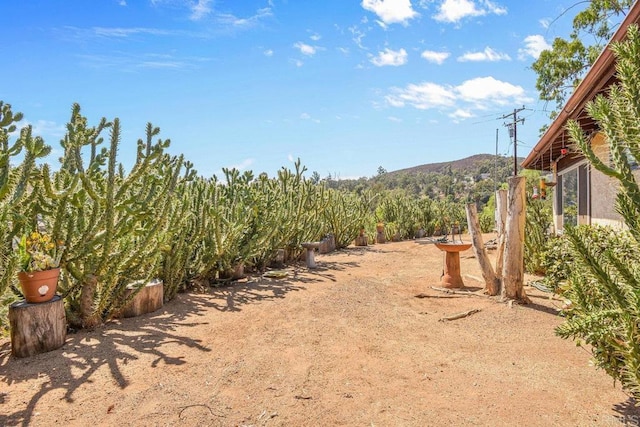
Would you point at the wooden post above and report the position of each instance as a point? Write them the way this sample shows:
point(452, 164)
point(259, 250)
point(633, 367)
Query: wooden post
point(147, 300)
point(501, 219)
point(37, 328)
point(492, 282)
point(360, 241)
point(513, 269)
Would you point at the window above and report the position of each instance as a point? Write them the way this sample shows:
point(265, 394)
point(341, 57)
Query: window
point(572, 197)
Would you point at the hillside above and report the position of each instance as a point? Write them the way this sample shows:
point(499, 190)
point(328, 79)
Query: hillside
point(471, 164)
point(472, 178)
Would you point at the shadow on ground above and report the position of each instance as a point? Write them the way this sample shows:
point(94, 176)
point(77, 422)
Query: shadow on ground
point(85, 352)
point(120, 341)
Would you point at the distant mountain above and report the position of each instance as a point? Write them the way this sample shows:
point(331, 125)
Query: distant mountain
point(471, 164)
point(472, 178)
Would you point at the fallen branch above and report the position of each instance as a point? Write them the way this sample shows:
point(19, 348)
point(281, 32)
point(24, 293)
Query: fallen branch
point(458, 292)
point(422, 295)
point(459, 315)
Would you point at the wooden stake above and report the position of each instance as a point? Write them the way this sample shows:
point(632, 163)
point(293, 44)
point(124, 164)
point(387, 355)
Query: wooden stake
point(492, 282)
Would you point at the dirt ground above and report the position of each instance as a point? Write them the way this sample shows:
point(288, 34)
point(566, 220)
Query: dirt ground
point(347, 344)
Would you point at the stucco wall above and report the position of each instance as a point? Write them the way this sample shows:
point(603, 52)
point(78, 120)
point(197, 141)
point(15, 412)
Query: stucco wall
point(604, 188)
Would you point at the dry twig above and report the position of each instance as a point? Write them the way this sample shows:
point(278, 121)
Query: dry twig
point(459, 315)
point(423, 295)
point(458, 292)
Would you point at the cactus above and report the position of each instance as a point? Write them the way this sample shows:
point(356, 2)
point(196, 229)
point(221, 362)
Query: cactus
point(604, 282)
point(111, 222)
point(16, 182)
point(345, 214)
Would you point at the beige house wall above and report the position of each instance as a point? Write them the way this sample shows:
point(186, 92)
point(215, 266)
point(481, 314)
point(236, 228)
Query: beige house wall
point(604, 189)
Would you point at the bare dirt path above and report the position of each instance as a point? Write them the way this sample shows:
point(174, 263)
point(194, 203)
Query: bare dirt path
point(347, 344)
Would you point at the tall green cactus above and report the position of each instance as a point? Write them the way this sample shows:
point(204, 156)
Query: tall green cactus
point(16, 184)
point(604, 283)
point(111, 222)
point(345, 214)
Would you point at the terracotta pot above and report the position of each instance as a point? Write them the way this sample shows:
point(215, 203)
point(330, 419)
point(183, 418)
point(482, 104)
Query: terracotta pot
point(39, 286)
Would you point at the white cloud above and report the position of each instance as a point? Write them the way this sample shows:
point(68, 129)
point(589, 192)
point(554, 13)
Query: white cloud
point(344, 50)
point(422, 96)
point(391, 11)
point(305, 49)
point(45, 128)
point(296, 62)
point(484, 90)
point(268, 52)
point(233, 21)
point(122, 2)
point(394, 119)
point(315, 37)
point(291, 158)
point(123, 32)
point(533, 46)
point(479, 93)
point(390, 57)
point(243, 165)
point(357, 35)
point(487, 54)
point(435, 57)
point(455, 10)
point(200, 9)
point(162, 64)
point(461, 114)
point(134, 62)
point(305, 116)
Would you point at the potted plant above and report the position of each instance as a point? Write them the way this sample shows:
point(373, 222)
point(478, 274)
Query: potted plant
point(39, 258)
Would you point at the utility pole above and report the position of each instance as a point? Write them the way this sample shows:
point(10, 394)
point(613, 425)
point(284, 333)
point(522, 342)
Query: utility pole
point(513, 132)
point(495, 166)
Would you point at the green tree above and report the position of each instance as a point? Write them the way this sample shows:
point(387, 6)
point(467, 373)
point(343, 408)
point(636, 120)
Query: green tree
point(561, 68)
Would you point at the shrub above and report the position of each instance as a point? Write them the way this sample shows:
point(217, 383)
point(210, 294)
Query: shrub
point(604, 289)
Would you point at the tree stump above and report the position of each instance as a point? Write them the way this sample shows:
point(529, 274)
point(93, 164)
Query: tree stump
point(327, 244)
point(513, 264)
point(147, 300)
point(360, 241)
point(37, 328)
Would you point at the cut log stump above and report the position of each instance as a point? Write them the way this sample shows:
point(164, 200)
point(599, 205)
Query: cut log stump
point(360, 241)
point(148, 300)
point(37, 328)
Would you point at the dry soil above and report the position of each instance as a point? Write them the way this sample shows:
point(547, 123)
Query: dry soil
point(347, 344)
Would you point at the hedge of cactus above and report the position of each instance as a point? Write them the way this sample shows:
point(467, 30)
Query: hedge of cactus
point(159, 219)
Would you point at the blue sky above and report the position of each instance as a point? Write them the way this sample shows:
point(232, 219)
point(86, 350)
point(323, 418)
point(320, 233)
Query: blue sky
point(346, 86)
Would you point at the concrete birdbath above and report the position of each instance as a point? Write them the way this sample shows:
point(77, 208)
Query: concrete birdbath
point(451, 277)
point(310, 255)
